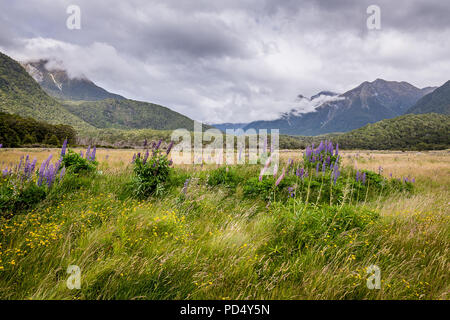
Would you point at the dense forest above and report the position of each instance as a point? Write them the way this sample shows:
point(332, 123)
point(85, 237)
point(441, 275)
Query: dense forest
point(407, 132)
point(16, 131)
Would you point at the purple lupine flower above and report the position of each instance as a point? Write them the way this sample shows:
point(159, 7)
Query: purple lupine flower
point(50, 174)
point(323, 167)
point(169, 148)
point(364, 178)
point(320, 148)
point(263, 170)
point(268, 162)
point(291, 192)
point(1, 145)
point(64, 147)
point(336, 152)
point(20, 163)
point(146, 157)
point(170, 162)
point(357, 175)
point(336, 172)
point(88, 151)
point(317, 167)
point(413, 180)
point(41, 174)
point(380, 170)
point(134, 158)
point(390, 175)
point(33, 164)
point(47, 162)
point(81, 154)
point(93, 153)
point(145, 143)
point(275, 170)
point(5, 172)
point(280, 178)
point(158, 145)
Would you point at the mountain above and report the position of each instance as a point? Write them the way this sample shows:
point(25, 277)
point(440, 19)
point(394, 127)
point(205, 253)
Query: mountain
point(57, 83)
point(413, 132)
point(368, 103)
point(437, 101)
point(224, 126)
point(21, 95)
point(128, 114)
point(324, 93)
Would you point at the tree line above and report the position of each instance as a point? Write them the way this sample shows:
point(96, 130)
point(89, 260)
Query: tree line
point(17, 131)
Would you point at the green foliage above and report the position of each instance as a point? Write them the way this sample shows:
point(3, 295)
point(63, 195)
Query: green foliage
point(226, 176)
point(128, 114)
point(266, 188)
point(150, 176)
point(76, 164)
point(20, 94)
point(53, 140)
point(16, 131)
point(15, 197)
point(407, 132)
point(297, 225)
point(437, 101)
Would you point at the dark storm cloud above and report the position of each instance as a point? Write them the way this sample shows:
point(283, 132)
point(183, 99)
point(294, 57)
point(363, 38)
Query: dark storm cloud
point(233, 60)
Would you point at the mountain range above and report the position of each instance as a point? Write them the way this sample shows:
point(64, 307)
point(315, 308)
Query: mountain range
point(438, 101)
point(31, 90)
point(57, 83)
point(368, 103)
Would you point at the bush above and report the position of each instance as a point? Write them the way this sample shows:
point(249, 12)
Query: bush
point(75, 163)
point(13, 199)
point(150, 174)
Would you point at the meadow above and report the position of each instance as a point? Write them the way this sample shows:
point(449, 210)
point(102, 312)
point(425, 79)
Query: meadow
point(210, 232)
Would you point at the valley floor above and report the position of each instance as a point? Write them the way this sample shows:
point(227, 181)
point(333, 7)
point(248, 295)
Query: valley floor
point(215, 243)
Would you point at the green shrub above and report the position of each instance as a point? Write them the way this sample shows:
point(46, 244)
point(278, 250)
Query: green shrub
point(14, 198)
point(77, 164)
point(150, 175)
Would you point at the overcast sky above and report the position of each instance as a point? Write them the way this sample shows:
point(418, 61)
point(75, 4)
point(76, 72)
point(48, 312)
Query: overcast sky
point(233, 60)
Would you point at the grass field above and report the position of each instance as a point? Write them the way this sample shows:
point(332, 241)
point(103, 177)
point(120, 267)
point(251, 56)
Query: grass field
point(206, 241)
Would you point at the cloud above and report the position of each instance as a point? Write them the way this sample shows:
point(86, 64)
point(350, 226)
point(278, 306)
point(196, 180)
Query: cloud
point(233, 61)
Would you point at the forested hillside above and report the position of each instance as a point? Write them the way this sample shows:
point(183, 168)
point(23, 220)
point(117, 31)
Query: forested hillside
point(17, 131)
point(128, 114)
point(21, 95)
